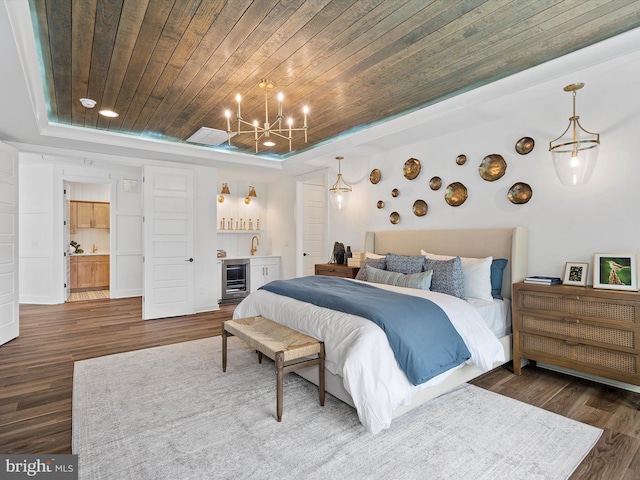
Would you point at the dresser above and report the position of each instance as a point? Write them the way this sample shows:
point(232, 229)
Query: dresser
point(580, 328)
point(336, 270)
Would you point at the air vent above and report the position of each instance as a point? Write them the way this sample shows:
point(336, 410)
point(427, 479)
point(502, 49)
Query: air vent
point(209, 136)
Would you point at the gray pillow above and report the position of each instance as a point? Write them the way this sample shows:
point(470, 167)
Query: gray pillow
point(405, 263)
point(420, 280)
point(447, 276)
point(379, 263)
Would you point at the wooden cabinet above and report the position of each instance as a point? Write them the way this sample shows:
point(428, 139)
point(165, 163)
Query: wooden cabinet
point(73, 272)
point(73, 217)
point(263, 271)
point(91, 214)
point(92, 271)
point(579, 328)
point(336, 270)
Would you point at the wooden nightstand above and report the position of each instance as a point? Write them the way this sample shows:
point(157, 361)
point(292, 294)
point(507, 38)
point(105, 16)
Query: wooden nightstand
point(579, 328)
point(336, 270)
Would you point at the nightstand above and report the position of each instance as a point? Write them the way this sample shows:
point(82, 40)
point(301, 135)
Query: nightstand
point(336, 270)
point(580, 328)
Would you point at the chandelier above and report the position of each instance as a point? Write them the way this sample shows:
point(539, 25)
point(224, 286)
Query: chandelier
point(574, 152)
point(268, 131)
point(339, 192)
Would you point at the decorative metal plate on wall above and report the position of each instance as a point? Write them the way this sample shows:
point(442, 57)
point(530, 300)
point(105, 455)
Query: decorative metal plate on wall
point(411, 168)
point(525, 145)
point(375, 176)
point(380, 204)
point(420, 208)
point(520, 193)
point(435, 183)
point(461, 159)
point(395, 192)
point(492, 167)
point(394, 217)
point(455, 194)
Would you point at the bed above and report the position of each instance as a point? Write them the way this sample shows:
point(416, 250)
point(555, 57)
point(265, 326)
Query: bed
point(374, 408)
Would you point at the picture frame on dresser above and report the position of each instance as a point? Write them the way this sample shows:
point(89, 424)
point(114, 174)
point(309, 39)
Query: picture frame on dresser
point(615, 271)
point(575, 273)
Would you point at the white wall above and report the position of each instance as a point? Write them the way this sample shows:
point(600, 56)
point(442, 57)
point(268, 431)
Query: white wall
point(565, 223)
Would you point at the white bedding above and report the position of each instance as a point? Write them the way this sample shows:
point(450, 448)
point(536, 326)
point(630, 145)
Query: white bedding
point(358, 351)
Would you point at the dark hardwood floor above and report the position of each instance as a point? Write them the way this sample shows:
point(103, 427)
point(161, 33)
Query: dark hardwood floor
point(36, 378)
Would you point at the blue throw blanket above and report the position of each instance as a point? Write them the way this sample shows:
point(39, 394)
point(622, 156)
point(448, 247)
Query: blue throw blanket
point(420, 333)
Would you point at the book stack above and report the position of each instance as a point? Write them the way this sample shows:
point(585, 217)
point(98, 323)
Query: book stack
point(541, 280)
point(356, 260)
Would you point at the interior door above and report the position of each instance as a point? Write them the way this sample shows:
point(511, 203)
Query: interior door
point(168, 242)
point(9, 315)
point(314, 225)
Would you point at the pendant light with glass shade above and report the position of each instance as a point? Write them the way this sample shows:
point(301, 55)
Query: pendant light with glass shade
point(340, 190)
point(575, 152)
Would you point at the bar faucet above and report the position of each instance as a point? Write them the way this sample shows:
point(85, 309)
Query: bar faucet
point(254, 248)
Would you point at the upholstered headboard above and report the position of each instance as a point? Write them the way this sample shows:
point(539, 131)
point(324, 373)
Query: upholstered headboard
point(509, 243)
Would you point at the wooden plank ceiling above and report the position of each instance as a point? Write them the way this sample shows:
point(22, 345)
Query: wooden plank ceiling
point(169, 67)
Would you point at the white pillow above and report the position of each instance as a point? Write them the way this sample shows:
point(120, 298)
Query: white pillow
point(476, 272)
point(373, 255)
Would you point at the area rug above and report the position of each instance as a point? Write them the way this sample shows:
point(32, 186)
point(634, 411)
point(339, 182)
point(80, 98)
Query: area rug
point(170, 413)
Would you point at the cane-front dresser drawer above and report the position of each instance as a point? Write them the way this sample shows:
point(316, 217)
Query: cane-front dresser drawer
point(580, 328)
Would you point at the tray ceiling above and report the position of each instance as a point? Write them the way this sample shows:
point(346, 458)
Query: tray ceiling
point(171, 67)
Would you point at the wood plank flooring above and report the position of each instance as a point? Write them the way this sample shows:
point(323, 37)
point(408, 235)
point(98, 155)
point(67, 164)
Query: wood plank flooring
point(36, 378)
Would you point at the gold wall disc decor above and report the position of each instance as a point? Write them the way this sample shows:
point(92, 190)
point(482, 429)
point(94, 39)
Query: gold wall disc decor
point(525, 145)
point(455, 194)
point(375, 176)
point(395, 192)
point(492, 167)
point(380, 204)
point(435, 183)
point(520, 193)
point(461, 159)
point(420, 208)
point(394, 217)
point(411, 168)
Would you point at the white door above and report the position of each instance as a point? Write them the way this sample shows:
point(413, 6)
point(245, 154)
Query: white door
point(314, 225)
point(67, 240)
point(168, 243)
point(9, 315)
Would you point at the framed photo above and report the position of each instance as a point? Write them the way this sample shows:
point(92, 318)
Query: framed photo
point(616, 271)
point(575, 274)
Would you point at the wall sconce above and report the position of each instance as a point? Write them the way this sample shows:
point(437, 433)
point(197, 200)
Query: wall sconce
point(340, 190)
point(574, 152)
point(252, 193)
point(223, 192)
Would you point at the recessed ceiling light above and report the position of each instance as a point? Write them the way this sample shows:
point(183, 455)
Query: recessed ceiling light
point(108, 113)
point(269, 143)
point(88, 102)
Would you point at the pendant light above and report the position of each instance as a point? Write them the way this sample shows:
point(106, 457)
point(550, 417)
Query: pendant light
point(575, 152)
point(340, 190)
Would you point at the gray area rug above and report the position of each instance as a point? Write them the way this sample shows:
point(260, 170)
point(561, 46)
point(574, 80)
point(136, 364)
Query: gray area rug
point(170, 413)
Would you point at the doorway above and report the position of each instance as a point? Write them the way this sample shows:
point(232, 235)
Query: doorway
point(87, 237)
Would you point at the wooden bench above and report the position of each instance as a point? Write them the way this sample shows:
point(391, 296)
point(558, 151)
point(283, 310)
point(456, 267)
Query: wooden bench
point(281, 344)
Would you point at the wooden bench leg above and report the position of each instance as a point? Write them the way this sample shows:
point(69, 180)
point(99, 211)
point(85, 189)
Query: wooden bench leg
point(224, 349)
point(321, 374)
point(279, 374)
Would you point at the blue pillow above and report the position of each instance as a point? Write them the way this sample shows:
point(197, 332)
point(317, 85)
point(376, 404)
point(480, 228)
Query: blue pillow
point(420, 280)
point(405, 263)
point(497, 269)
point(379, 263)
point(447, 276)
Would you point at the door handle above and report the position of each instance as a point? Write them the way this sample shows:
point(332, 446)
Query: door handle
point(189, 260)
point(305, 254)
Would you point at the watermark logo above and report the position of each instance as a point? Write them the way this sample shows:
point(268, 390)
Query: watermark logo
point(47, 467)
